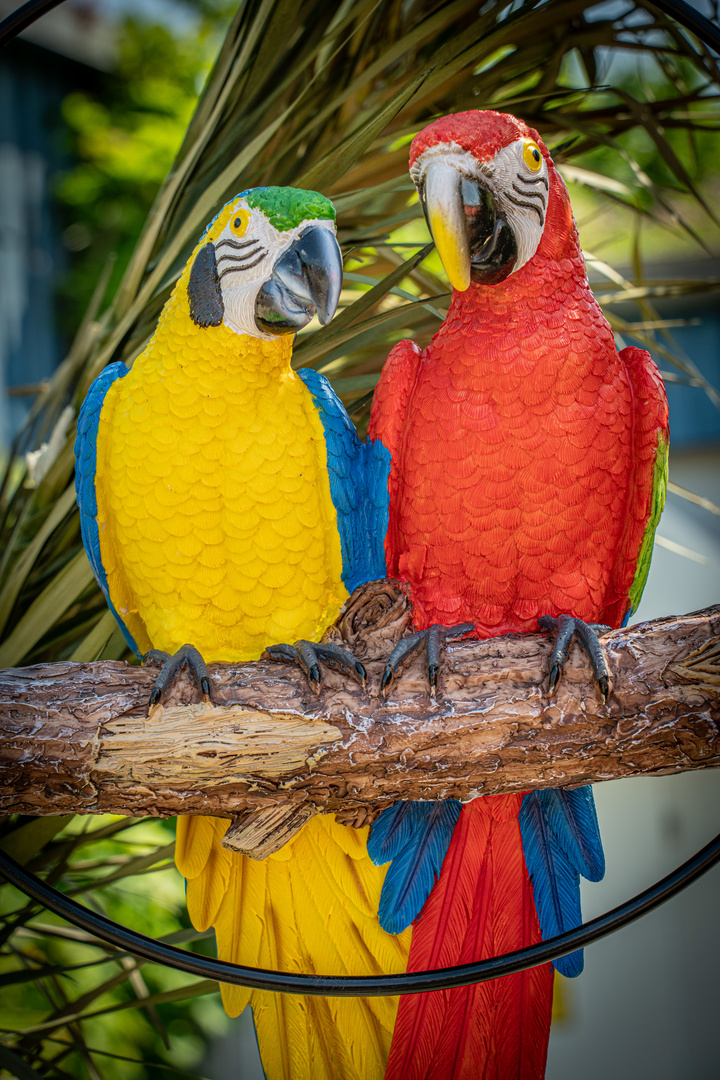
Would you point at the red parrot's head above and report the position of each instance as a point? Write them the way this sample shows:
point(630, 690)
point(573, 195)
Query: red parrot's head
point(491, 196)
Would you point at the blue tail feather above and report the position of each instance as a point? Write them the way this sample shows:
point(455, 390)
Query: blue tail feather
point(391, 832)
point(572, 818)
point(560, 840)
point(415, 836)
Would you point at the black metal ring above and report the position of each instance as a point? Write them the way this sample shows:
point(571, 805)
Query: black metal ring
point(360, 985)
point(22, 18)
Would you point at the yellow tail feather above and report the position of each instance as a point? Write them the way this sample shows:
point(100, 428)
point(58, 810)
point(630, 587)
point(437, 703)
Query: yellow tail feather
point(312, 907)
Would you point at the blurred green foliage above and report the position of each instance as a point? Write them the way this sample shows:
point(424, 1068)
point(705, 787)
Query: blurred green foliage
point(138, 1019)
point(123, 139)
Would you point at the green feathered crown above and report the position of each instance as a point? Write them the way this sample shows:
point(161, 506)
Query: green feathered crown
point(285, 208)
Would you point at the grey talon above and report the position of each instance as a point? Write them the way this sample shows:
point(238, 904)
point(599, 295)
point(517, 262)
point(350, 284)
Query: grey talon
point(434, 640)
point(587, 635)
point(155, 658)
point(186, 656)
point(308, 656)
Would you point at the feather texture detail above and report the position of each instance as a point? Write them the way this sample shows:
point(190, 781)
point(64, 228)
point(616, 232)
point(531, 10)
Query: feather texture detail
point(481, 906)
point(572, 818)
point(310, 907)
point(85, 470)
point(554, 863)
point(358, 474)
point(415, 836)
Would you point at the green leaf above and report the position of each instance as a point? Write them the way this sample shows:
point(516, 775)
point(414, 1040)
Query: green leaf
point(94, 644)
point(52, 602)
point(24, 843)
point(373, 296)
point(338, 161)
point(16, 1066)
point(19, 572)
point(133, 866)
point(180, 993)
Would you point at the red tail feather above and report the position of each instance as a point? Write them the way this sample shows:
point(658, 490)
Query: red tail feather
point(481, 906)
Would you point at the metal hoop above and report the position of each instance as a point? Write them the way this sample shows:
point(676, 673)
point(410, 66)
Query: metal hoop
point(352, 985)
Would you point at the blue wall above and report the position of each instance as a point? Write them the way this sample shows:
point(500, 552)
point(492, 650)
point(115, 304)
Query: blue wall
point(694, 419)
point(33, 82)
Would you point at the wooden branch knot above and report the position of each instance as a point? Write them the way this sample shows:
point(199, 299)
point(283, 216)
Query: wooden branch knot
point(373, 619)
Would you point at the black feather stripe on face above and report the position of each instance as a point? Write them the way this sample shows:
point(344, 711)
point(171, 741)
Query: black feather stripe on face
point(237, 244)
point(237, 264)
point(204, 296)
point(526, 205)
point(539, 195)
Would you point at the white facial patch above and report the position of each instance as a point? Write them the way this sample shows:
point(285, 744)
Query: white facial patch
point(244, 263)
point(521, 192)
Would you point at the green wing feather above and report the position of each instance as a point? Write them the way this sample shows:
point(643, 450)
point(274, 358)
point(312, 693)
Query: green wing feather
point(659, 491)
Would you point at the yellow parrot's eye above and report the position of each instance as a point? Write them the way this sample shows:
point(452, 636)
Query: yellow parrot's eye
point(239, 222)
point(532, 156)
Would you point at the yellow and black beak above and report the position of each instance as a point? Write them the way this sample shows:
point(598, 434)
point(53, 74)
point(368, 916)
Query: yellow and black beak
point(474, 239)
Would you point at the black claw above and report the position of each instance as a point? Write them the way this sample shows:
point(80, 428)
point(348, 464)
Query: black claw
point(587, 636)
point(434, 640)
point(315, 678)
point(387, 680)
point(186, 656)
point(308, 654)
point(554, 678)
point(433, 678)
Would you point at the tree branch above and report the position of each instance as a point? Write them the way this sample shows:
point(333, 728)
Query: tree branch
point(76, 737)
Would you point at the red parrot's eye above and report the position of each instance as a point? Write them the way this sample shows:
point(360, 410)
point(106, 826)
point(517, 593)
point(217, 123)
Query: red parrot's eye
point(532, 156)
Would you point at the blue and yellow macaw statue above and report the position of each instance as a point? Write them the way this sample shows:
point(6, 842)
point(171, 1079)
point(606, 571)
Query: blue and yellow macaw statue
point(227, 504)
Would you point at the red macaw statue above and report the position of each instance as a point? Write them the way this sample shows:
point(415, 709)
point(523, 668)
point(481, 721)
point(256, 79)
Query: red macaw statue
point(529, 464)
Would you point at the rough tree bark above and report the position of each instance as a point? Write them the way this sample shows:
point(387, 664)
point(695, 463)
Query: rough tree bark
point(77, 738)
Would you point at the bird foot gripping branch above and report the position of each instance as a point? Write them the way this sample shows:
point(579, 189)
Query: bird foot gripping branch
point(587, 634)
point(186, 656)
point(308, 654)
point(433, 641)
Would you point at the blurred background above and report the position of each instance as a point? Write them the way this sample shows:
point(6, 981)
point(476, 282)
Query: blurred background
point(95, 101)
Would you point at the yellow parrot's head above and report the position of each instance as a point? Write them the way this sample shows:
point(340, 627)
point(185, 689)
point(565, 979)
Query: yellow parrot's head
point(267, 263)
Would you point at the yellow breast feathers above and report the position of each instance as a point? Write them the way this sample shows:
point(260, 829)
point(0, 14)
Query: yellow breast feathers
point(214, 509)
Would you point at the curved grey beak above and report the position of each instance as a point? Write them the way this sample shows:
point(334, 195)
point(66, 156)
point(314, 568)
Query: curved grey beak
point(305, 280)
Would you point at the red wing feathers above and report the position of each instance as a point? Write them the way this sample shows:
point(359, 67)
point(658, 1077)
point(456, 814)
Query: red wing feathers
point(391, 396)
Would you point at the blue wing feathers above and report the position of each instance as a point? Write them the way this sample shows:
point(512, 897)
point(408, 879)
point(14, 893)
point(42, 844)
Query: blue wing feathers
point(358, 474)
point(561, 840)
point(85, 469)
point(415, 836)
point(571, 816)
point(391, 832)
